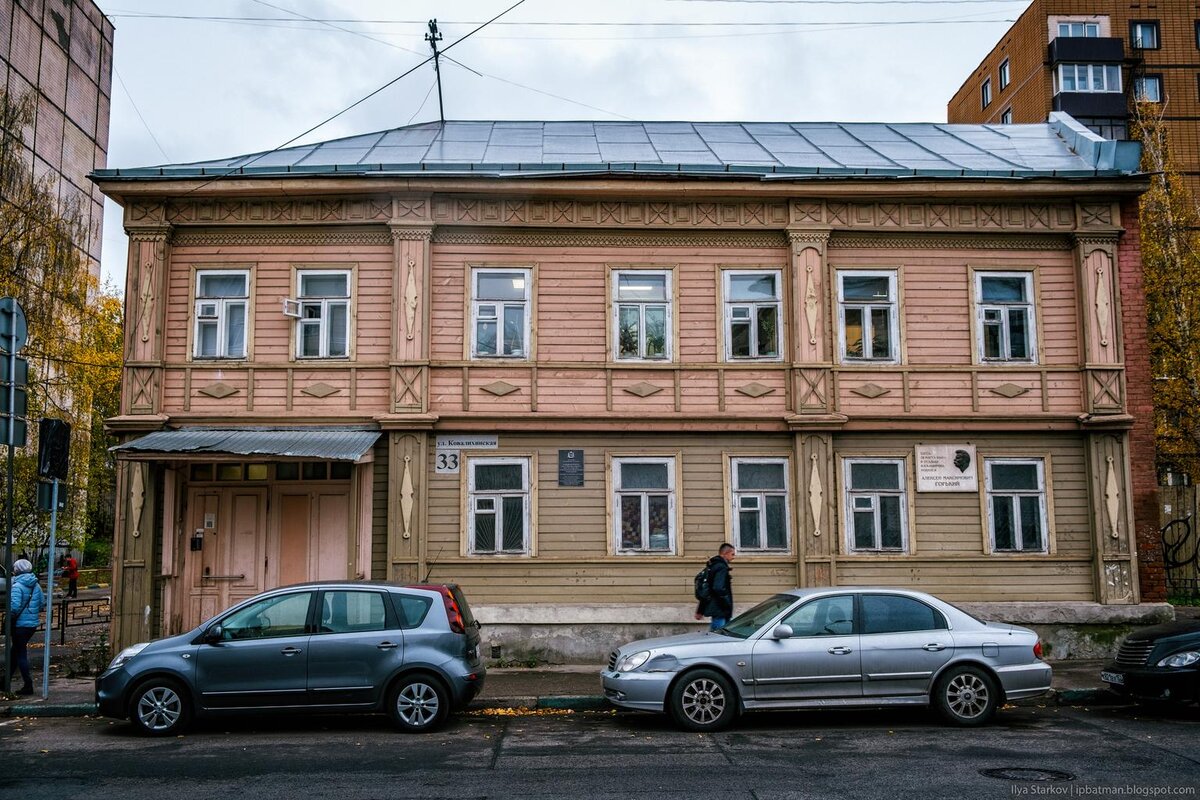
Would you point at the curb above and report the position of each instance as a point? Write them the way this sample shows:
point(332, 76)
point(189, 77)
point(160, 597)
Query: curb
point(49, 710)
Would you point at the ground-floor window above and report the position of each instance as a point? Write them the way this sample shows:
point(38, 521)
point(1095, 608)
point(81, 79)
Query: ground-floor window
point(644, 504)
point(876, 505)
point(1016, 504)
point(760, 506)
point(498, 505)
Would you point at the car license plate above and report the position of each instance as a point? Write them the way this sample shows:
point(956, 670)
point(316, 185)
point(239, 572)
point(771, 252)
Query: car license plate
point(1113, 677)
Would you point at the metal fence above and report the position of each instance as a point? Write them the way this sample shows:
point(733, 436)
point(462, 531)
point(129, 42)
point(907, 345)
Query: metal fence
point(72, 613)
point(1179, 516)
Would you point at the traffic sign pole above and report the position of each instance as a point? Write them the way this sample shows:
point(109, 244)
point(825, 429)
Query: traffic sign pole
point(50, 589)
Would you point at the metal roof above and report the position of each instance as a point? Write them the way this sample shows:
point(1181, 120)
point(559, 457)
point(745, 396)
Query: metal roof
point(329, 443)
point(1060, 147)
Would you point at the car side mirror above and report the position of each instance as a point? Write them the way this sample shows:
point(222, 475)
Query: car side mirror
point(213, 634)
point(782, 631)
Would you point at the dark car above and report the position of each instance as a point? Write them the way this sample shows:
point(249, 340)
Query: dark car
point(409, 651)
point(1158, 665)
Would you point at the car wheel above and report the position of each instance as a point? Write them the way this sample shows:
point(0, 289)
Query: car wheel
point(418, 703)
point(703, 701)
point(966, 696)
point(160, 707)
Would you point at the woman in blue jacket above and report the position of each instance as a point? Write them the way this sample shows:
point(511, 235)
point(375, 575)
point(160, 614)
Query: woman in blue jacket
point(26, 600)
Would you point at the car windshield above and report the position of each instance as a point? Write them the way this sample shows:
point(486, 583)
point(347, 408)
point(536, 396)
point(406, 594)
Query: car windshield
point(748, 622)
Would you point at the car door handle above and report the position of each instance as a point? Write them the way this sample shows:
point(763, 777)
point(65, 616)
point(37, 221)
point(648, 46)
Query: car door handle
point(387, 645)
point(291, 651)
point(839, 651)
point(934, 647)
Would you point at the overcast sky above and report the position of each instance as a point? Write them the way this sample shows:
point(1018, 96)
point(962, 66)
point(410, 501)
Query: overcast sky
point(202, 80)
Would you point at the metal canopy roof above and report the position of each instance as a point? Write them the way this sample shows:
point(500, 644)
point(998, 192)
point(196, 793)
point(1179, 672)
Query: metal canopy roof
point(764, 150)
point(333, 444)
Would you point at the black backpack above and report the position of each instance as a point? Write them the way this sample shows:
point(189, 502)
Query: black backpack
point(703, 583)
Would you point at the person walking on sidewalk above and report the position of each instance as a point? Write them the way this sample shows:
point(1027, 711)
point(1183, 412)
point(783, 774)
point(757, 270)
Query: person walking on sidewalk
point(718, 604)
point(25, 596)
point(70, 571)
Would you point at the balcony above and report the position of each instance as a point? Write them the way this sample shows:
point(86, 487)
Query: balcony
point(1091, 104)
point(1089, 50)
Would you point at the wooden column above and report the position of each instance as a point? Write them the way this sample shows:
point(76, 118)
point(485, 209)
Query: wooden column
point(1112, 517)
point(816, 509)
point(135, 545)
point(810, 322)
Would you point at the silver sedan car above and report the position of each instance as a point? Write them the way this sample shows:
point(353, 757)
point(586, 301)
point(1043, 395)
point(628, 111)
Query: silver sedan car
point(832, 648)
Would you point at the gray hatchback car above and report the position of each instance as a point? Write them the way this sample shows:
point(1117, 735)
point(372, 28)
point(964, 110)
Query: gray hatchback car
point(409, 651)
point(832, 648)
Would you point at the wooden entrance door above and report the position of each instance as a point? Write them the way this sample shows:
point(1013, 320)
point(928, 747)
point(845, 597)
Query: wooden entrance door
point(313, 534)
point(230, 565)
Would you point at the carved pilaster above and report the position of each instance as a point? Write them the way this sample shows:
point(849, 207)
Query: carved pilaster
point(145, 308)
point(412, 231)
point(816, 514)
point(1112, 518)
point(407, 507)
point(1095, 259)
point(134, 551)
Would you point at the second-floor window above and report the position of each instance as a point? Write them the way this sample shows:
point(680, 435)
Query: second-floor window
point(1143, 34)
point(642, 315)
point(322, 311)
point(1004, 74)
point(867, 306)
point(1148, 88)
point(752, 314)
point(985, 93)
point(1087, 78)
point(1004, 302)
point(221, 301)
point(500, 313)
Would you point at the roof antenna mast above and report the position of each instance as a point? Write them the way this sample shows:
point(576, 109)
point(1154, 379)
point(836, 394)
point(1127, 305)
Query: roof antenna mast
point(433, 37)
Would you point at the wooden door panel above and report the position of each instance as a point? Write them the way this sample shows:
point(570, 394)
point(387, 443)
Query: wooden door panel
point(294, 516)
point(333, 526)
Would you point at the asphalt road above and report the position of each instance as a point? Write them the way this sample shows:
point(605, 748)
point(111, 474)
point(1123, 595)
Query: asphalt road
point(1106, 752)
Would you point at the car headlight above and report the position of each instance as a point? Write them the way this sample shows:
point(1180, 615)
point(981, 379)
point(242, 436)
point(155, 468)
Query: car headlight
point(1184, 659)
point(633, 661)
point(127, 653)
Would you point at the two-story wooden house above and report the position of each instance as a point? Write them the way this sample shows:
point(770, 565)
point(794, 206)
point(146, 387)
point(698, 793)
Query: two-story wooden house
point(560, 362)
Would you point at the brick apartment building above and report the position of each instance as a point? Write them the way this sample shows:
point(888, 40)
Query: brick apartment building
point(1091, 59)
point(60, 52)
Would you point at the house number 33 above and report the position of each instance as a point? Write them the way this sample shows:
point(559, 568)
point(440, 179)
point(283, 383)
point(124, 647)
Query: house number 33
point(447, 461)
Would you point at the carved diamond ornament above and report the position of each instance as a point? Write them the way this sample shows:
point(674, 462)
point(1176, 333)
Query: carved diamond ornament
point(218, 390)
point(320, 390)
point(870, 391)
point(643, 389)
point(1009, 390)
point(755, 389)
point(500, 388)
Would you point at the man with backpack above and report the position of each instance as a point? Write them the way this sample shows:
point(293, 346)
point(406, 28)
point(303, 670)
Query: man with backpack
point(714, 588)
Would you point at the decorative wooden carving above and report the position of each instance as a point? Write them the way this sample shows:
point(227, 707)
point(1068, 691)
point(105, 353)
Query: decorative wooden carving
point(410, 301)
point(1117, 581)
point(143, 389)
point(317, 235)
point(500, 388)
point(812, 388)
point(816, 494)
point(406, 499)
point(262, 212)
point(968, 241)
point(1009, 390)
point(1112, 500)
point(320, 390)
point(643, 389)
point(870, 391)
point(588, 213)
point(610, 238)
point(408, 387)
point(1103, 304)
point(218, 390)
point(1106, 389)
point(812, 305)
point(754, 390)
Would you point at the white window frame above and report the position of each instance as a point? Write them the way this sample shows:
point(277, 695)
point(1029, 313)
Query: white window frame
point(1135, 27)
point(985, 92)
point(215, 310)
point(735, 505)
point(498, 307)
point(1139, 88)
point(1091, 71)
point(1091, 30)
point(496, 496)
point(982, 309)
point(618, 492)
point(1006, 116)
point(893, 306)
point(753, 306)
point(1004, 75)
point(1014, 494)
point(669, 323)
point(296, 308)
point(849, 495)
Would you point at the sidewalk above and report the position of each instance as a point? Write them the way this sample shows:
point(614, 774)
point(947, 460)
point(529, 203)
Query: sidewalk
point(575, 687)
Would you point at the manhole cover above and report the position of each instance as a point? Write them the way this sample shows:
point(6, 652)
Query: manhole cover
point(1027, 774)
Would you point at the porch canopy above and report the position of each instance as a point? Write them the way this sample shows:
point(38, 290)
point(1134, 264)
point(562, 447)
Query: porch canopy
point(342, 443)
